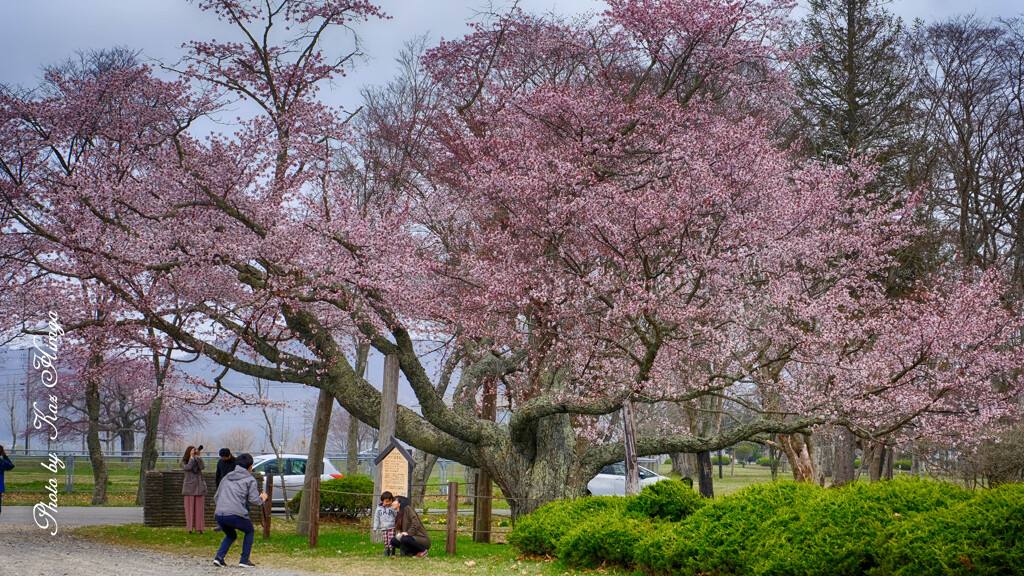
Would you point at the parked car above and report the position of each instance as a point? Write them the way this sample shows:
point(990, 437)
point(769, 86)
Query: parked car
point(611, 481)
point(294, 468)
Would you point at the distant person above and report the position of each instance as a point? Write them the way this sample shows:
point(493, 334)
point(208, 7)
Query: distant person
point(236, 491)
point(384, 521)
point(410, 535)
point(224, 465)
point(193, 488)
point(5, 465)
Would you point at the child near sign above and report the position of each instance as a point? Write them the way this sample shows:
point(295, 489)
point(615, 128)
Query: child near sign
point(384, 523)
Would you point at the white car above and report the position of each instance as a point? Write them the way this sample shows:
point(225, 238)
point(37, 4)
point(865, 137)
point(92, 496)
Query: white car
point(294, 468)
point(611, 481)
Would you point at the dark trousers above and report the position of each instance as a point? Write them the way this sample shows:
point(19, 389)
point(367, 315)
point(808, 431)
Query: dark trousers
point(230, 524)
point(408, 545)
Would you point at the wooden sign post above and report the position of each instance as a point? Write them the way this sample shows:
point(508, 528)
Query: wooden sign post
point(395, 465)
point(388, 417)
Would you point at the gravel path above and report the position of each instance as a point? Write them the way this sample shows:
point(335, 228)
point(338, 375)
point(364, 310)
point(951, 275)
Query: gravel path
point(29, 551)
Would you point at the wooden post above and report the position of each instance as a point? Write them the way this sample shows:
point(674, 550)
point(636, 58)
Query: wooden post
point(629, 439)
point(388, 415)
point(314, 511)
point(317, 445)
point(453, 516)
point(483, 501)
point(267, 504)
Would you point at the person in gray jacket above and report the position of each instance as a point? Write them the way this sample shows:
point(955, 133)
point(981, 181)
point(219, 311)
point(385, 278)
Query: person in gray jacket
point(236, 491)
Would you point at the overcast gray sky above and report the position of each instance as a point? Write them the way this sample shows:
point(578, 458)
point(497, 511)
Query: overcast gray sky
point(34, 34)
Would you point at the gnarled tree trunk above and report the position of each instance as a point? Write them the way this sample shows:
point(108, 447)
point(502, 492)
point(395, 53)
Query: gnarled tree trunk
point(99, 465)
point(799, 450)
point(846, 457)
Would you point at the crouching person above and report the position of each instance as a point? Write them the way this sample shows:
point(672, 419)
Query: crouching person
point(410, 535)
point(236, 491)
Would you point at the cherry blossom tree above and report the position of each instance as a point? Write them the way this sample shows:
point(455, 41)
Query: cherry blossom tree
point(584, 213)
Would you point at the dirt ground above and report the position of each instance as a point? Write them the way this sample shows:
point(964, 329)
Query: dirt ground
point(29, 551)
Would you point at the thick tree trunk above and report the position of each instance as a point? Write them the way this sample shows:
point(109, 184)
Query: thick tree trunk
point(705, 473)
point(683, 464)
point(541, 475)
point(315, 457)
point(799, 451)
point(846, 457)
point(99, 465)
point(875, 456)
point(149, 453)
point(420, 476)
point(126, 437)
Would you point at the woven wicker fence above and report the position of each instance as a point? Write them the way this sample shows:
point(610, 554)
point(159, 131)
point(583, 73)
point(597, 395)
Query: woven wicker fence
point(165, 506)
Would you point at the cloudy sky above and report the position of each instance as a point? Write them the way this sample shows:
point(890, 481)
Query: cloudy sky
point(35, 34)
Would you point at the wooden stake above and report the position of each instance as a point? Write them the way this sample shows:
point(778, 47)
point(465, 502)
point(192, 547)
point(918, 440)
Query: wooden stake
point(267, 504)
point(453, 516)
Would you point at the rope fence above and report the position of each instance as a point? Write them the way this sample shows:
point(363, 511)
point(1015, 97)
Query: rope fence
point(451, 520)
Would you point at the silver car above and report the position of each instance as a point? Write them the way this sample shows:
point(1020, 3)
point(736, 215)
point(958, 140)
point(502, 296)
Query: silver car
point(611, 481)
point(294, 468)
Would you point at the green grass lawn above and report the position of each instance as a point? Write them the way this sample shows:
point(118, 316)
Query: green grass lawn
point(734, 480)
point(75, 499)
point(343, 549)
point(25, 485)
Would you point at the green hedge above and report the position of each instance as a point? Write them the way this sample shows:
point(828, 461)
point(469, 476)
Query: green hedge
point(841, 532)
point(667, 499)
point(901, 527)
point(980, 535)
point(726, 460)
point(607, 538)
point(731, 533)
point(348, 497)
point(540, 532)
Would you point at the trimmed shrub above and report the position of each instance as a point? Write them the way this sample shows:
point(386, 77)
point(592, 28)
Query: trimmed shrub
point(667, 499)
point(729, 534)
point(609, 537)
point(981, 535)
point(901, 527)
point(901, 465)
point(764, 461)
point(348, 497)
point(654, 550)
point(539, 533)
point(842, 532)
point(725, 460)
